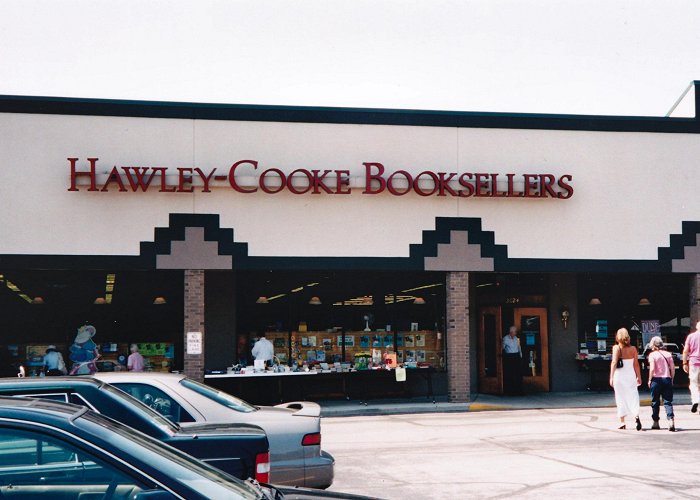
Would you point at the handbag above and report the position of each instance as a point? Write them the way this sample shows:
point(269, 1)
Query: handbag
point(619, 363)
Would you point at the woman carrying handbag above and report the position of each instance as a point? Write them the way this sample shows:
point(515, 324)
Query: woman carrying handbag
point(626, 378)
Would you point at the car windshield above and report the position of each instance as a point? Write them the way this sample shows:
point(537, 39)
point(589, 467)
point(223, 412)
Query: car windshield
point(195, 474)
point(220, 397)
point(156, 417)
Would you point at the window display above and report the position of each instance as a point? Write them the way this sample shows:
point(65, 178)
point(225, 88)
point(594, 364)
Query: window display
point(312, 348)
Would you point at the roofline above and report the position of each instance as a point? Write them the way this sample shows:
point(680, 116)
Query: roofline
point(364, 116)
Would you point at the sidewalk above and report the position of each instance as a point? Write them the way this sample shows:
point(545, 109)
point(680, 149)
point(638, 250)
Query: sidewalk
point(482, 402)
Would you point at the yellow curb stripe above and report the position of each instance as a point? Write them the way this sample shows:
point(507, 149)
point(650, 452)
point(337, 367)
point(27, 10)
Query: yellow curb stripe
point(487, 407)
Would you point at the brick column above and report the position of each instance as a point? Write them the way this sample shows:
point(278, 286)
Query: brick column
point(458, 375)
point(194, 321)
point(694, 296)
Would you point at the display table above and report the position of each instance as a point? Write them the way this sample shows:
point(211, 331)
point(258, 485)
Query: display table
point(599, 370)
point(276, 387)
point(239, 383)
point(259, 374)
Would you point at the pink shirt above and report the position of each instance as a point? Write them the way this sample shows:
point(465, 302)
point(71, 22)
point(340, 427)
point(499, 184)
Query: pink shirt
point(135, 362)
point(692, 342)
point(663, 361)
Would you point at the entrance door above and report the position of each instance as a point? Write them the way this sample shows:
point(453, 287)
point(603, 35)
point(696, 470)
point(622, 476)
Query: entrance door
point(490, 363)
point(532, 327)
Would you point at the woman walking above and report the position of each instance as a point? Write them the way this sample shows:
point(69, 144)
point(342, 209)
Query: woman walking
point(661, 371)
point(625, 377)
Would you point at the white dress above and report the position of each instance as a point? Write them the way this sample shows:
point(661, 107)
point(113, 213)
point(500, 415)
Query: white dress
point(626, 394)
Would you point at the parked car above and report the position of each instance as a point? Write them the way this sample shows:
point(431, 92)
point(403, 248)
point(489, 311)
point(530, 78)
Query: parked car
point(108, 365)
point(293, 429)
point(63, 451)
point(241, 450)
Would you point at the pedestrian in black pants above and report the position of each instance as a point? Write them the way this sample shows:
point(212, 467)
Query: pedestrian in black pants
point(512, 359)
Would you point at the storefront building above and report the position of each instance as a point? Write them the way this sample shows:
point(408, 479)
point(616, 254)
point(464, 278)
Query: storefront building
point(350, 237)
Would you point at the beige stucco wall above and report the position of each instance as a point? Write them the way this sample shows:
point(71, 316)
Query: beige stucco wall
point(631, 189)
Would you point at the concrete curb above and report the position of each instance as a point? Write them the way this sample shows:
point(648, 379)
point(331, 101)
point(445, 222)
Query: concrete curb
point(480, 403)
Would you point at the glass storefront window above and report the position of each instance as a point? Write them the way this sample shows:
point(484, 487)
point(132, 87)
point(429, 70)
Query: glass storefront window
point(344, 317)
point(644, 304)
point(41, 308)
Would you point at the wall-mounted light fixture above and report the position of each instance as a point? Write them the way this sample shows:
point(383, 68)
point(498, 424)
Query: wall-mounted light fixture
point(595, 301)
point(565, 314)
point(315, 301)
point(159, 301)
point(261, 300)
point(419, 301)
point(100, 301)
point(38, 300)
point(644, 302)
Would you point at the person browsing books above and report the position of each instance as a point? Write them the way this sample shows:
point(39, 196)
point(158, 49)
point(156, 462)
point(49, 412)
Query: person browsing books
point(135, 362)
point(263, 349)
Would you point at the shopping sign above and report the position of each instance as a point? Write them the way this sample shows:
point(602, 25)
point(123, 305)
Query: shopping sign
point(248, 177)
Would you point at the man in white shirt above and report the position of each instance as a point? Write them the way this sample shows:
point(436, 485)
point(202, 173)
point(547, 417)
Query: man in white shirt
point(263, 349)
point(53, 362)
point(512, 357)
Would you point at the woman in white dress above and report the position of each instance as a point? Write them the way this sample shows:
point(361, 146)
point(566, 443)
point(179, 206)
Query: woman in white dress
point(626, 379)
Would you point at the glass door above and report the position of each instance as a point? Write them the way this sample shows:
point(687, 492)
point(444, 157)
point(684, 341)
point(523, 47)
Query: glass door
point(532, 329)
point(490, 362)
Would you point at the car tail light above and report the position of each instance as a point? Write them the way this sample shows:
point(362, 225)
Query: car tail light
point(262, 467)
point(311, 439)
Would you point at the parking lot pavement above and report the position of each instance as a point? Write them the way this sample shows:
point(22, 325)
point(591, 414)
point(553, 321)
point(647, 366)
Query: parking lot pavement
point(533, 453)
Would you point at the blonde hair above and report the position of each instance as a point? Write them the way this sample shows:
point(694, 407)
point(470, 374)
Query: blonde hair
point(622, 337)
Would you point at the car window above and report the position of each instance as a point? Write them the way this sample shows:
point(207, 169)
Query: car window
point(63, 397)
point(157, 400)
point(153, 415)
point(32, 464)
point(220, 397)
point(79, 400)
point(59, 396)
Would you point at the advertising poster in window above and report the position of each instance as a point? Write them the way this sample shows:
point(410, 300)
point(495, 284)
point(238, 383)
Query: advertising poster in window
point(650, 328)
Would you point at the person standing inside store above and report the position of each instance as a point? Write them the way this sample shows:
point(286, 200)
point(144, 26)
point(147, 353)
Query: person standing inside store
point(512, 360)
point(135, 361)
point(626, 378)
point(54, 365)
point(10, 365)
point(263, 350)
point(691, 365)
point(661, 371)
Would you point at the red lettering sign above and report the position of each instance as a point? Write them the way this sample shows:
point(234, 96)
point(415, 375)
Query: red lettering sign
point(243, 178)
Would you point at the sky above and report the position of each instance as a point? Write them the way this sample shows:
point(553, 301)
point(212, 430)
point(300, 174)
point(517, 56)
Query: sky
point(607, 57)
